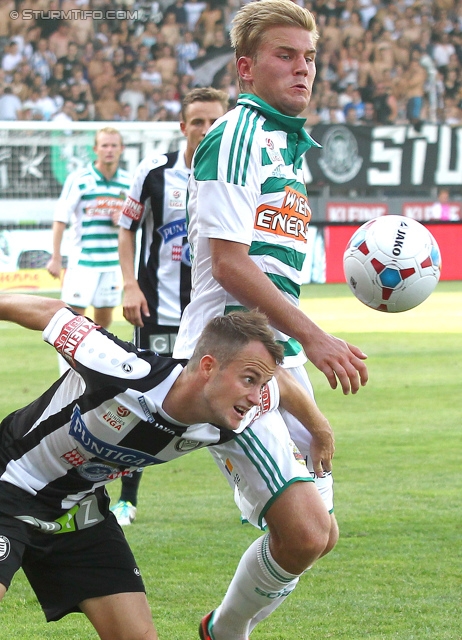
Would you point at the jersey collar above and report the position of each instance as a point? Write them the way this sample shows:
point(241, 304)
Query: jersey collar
point(290, 124)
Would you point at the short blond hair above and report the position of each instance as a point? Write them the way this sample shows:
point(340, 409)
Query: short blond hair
point(111, 131)
point(255, 18)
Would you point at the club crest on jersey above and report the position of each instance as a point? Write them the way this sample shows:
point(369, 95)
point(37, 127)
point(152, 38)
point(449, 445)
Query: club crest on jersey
point(72, 335)
point(5, 548)
point(187, 445)
point(290, 220)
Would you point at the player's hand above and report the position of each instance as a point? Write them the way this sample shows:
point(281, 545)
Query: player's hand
point(338, 360)
point(322, 450)
point(55, 266)
point(134, 305)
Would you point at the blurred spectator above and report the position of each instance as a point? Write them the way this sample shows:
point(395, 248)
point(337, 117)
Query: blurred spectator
point(45, 105)
point(11, 59)
point(107, 107)
point(209, 21)
point(83, 109)
point(170, 30)
point(59, 40)
point(181, 17)
point(66, 114)
point(385, 105)
point(171, 101)
point(415, 78)
point(186, 51)
point(369, 117)
point(70, 59)
point(6, 6)
point(18, 86)
point(351, 116)
point(43, 60)
point(142, 114)
point(150, 77)
point(193, 9)
point(133, 95)
point(441, 209)
point(356, 103)
point(10, 105)
point(167, 64)
point(348, 67)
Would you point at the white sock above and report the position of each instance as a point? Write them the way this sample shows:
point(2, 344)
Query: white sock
point(259, 585)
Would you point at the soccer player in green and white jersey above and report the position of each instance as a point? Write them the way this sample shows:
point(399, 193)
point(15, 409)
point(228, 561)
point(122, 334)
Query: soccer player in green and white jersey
point(248, 218)
point(91, 201)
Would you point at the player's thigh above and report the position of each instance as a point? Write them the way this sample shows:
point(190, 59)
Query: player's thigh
point(120, 616)
point(259, 464)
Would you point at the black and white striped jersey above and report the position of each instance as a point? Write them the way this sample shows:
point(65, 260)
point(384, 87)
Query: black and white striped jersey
point(156, 201)
point(99, 421)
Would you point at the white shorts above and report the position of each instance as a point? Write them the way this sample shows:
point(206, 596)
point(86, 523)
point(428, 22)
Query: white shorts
point(85, 286)
point(260, 463)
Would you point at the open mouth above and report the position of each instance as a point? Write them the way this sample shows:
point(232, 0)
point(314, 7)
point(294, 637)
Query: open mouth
point(240, 410)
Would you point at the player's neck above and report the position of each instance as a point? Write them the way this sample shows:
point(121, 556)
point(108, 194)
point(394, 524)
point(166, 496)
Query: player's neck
point(106, 169)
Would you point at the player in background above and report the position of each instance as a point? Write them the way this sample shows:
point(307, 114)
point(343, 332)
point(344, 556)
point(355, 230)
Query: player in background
point(248, 216)
point(156, 293)
point(91, 202)
point(106, 416)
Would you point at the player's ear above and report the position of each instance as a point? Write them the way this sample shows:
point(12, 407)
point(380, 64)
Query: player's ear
point(244, 67)
point(206, 365)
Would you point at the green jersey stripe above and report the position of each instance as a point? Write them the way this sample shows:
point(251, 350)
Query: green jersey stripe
point(286, 255)
point(291, 347)
point(233, 145)
point(278, 185)
point(99, 263)
point(285, 284)
point(261, 457)
point(96, 250)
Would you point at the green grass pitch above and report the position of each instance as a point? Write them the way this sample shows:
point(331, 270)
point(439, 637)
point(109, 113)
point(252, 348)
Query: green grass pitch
point(396, 571)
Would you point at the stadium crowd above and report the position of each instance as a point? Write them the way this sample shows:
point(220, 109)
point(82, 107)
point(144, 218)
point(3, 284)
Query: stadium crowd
point(378, 61)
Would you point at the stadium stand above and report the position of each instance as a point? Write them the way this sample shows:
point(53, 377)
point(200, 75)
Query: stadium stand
point(398, 62)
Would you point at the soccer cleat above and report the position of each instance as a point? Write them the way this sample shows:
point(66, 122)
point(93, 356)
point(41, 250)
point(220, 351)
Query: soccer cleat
point(204, 627)
point(124, 512)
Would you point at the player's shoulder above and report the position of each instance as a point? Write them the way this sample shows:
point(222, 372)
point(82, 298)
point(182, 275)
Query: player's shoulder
point(155, 161)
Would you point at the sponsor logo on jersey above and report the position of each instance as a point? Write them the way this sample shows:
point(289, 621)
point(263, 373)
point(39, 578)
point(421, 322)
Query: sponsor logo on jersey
point(5, 548)
point(172, 230)
point(291, 220)
point(118, 417)
point(176, 253)
point(177, 199)
point(133, 209)
point(74, 458)
point(186, 254)
point(144, 406)
point(72, 334)
point(105, 207)
point(103, 450)
point(187, 445)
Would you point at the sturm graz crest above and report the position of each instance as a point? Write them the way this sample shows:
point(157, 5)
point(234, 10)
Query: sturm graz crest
point(340, 161)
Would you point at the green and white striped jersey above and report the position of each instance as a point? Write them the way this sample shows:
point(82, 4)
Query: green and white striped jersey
point(247, 186)
point(88, 202)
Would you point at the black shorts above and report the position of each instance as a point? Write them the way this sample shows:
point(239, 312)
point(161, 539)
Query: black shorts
point(160, 339)
point(65, 569)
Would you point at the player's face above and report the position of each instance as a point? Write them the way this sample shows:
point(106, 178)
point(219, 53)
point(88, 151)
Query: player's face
point(283, 70)
point(199, 117)
point(233, 390)
point(108, 148)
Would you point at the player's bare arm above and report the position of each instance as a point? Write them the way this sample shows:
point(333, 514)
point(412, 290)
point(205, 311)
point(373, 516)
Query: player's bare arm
point(54, 265)
point(295, 399)
point(134, 301)
point(31, 312)
point(241, 277)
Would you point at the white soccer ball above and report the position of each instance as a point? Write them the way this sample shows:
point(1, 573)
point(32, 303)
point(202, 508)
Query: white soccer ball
point(392, 263)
